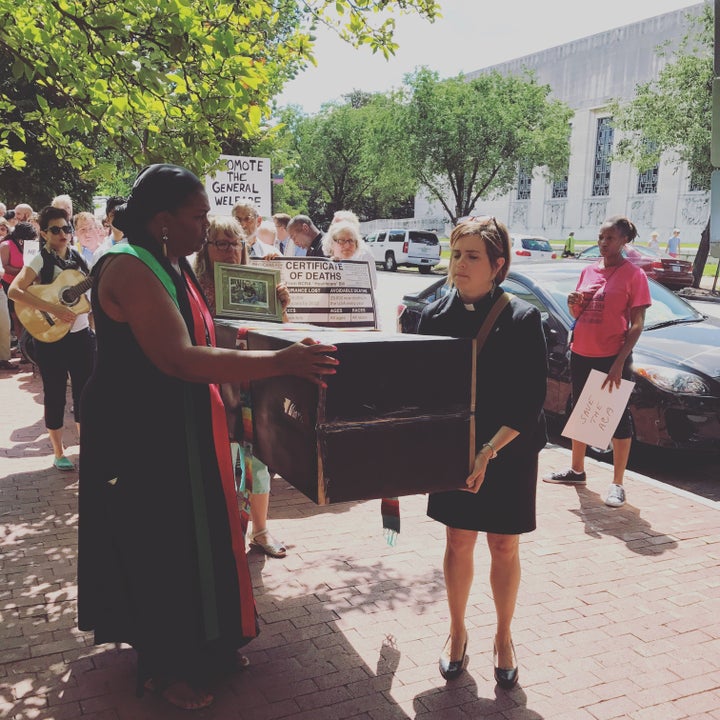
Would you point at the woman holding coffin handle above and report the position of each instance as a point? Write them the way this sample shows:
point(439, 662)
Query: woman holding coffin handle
point(499, 493)
point(608, 305)
point(162, 562)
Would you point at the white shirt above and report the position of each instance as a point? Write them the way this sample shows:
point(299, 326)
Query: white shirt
point(81, 321)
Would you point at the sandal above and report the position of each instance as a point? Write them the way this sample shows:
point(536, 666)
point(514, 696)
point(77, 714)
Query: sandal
point(180, 694)
point(268, 544)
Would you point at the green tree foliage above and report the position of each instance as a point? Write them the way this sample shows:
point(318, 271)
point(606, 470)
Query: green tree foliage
point(43, 175)
point(163, 80)
point(338, 160)
point(465, 139)
point(672, 115)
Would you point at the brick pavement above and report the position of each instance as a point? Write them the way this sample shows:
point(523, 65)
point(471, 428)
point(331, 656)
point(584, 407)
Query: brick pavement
point(618, 615)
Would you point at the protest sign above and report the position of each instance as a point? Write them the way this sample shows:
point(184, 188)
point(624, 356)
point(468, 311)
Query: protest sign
point(327, 293)
point(597, 411)
point(241, 178)
point(31, 248)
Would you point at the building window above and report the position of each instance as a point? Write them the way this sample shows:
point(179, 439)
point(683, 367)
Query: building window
point(603, 151)
point(695, 185)
point(647, 182)
point(559, 188)
point(523, 184)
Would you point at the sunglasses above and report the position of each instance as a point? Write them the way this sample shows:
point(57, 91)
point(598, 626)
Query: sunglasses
point(222, 244)
point(479, 219)
point(55, 230)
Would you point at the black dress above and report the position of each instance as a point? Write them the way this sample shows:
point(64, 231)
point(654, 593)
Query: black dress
point(511, 386)
point(162, 562)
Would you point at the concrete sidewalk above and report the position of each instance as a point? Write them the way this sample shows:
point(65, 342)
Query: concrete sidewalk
point(618, 614)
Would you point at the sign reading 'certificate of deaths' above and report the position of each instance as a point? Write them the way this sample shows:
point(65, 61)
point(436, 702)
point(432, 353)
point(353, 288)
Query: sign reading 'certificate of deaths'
point(326, 293)
point(597, 411)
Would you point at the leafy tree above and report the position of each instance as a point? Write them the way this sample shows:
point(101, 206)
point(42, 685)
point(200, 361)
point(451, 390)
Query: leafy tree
point(339, 159)
point(163, 80)
point(44, 175)
point(465, 140)
point(672, 115)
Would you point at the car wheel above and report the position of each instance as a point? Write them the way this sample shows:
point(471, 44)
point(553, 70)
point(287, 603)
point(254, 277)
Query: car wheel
point(425, 269)
point(390, 264)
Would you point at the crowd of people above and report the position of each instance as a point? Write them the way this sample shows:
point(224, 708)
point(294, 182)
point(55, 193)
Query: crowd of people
point(165, 416)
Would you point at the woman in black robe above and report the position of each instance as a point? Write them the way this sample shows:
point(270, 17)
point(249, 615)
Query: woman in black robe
point(499, 497)
point(162, 563)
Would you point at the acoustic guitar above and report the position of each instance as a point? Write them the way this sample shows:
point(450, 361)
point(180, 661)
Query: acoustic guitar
point(68, 289)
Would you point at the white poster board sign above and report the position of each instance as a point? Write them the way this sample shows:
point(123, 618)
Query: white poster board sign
point(241, 178)
point(326, 293)
point(31, 248)
point(597, 411)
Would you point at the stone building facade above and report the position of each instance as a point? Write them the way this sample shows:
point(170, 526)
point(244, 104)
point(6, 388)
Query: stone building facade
point(587, 74)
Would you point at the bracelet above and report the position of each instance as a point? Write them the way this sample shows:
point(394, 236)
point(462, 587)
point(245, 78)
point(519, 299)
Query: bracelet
point(492, 449)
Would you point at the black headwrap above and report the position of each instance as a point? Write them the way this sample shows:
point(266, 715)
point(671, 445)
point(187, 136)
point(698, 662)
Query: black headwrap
point(157, 187)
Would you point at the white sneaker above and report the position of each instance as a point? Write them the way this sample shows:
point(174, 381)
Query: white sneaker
point(616, 496)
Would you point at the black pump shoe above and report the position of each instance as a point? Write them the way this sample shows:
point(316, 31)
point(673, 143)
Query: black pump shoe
point(452, 669)
point(506, 678)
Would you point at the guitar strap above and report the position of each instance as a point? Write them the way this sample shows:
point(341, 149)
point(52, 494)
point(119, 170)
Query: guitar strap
point(51, 260)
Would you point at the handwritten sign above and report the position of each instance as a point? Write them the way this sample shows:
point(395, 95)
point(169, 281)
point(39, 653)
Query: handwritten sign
point(31, 248)
point(597, 411)
point(241, 178)
point(326, 293)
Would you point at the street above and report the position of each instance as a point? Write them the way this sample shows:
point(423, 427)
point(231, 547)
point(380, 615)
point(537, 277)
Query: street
point(700, 475)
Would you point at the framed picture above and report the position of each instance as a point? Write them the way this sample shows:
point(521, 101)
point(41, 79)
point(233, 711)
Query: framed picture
point(246, 292)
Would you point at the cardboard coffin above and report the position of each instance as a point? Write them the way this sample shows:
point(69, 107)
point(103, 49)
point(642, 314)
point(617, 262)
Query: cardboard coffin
point(396, 419)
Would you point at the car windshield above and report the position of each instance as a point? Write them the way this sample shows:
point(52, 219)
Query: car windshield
point(536, 244)
point(424, 238)
point(666, 309)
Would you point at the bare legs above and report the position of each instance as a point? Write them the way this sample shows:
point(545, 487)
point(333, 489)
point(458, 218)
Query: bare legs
point(459, 568)
point(505, 583)
point(504, 580)
point(57, 442)
point(621, 454)
point(259, 505)
point(578, 456)
point(56, 439)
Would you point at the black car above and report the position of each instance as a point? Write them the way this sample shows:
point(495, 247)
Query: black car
point(676, 362)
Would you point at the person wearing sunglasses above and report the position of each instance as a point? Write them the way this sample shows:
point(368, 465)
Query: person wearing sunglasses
point(226, 244)
point(343, 242)
point(498, 496)
point(74, 353)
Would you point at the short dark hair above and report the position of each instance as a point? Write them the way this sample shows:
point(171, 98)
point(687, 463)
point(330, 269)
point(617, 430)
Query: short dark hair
point(49, 213)
point(624, 225)
point(24, 231)
point(112, 202)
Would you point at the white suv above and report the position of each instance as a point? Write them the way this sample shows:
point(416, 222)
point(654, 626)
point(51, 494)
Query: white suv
point(412, 248)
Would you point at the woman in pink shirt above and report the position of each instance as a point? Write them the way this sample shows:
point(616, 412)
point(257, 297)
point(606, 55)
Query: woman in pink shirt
point(609, 306)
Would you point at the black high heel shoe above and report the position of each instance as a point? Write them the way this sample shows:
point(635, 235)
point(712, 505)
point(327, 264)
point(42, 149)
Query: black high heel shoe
point(452, 669)
point(506, 678)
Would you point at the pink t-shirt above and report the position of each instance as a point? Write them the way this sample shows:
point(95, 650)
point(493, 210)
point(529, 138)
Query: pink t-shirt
point(16, 259)
point(601, 328)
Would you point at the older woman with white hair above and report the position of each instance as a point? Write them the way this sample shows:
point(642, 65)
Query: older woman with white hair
point(343, 242)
